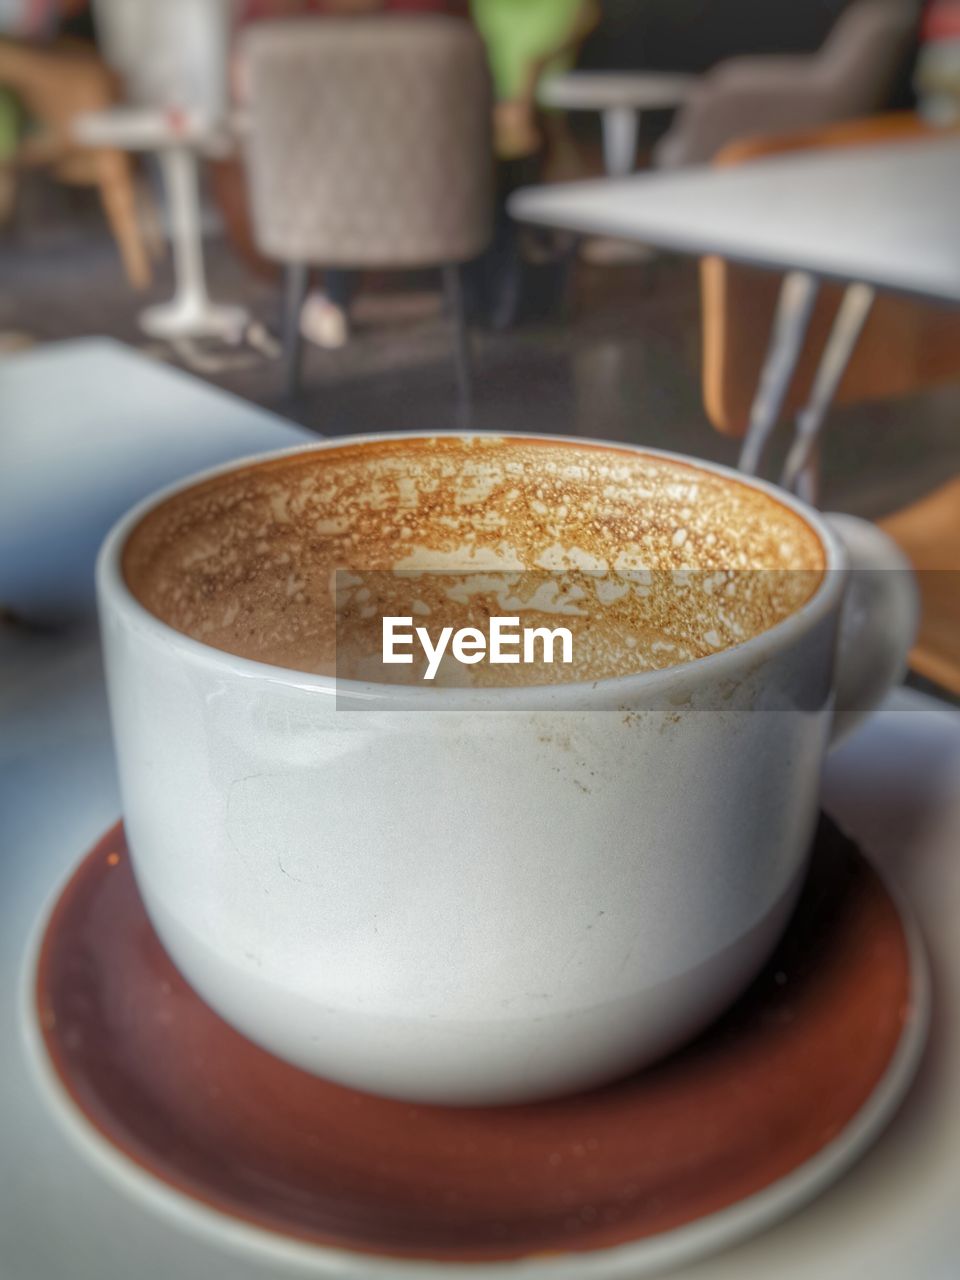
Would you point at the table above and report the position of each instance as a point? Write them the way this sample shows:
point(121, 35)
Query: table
point(88, 428)
point(895, 784)
point(177, 136)
point(877, 217)
point(620, 97)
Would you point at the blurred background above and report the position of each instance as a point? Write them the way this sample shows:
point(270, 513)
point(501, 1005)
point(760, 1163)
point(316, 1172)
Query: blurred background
point(725, 228)
point(305, 203)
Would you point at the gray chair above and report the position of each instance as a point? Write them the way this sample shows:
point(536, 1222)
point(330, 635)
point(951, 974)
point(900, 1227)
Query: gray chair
point(369, 146)
point(850, 76)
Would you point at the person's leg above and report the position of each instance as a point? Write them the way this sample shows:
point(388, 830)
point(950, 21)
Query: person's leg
point(525, 270)
point(495, 280)
point(453, 288)
point(340, 286)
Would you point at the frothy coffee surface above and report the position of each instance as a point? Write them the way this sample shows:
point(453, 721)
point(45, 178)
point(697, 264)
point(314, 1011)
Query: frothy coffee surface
point(649, 562)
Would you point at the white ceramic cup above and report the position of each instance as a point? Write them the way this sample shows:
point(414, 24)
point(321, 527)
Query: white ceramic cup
point(489, 895)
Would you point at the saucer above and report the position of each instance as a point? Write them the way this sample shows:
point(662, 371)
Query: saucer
point(756, 1116)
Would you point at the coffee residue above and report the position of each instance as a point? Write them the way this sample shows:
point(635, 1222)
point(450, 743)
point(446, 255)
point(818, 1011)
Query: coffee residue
point(648, 561)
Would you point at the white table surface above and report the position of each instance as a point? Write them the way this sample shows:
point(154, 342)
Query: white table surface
point(87, 428)
point(145, 128)
point(596, 90)
point(886, 215)
point(895, 784)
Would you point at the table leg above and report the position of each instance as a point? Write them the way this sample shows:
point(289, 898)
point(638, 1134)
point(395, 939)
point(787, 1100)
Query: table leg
point(798, 293)
point(800, 471)
point(620, 129)
point(190, 313)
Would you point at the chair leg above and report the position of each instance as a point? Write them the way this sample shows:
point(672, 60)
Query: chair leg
point(453, 287)
point(148, 215)
point(119, 199)
point(295, 280)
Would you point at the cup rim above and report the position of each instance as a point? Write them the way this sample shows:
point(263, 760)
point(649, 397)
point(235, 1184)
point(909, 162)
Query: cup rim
point(113, 592)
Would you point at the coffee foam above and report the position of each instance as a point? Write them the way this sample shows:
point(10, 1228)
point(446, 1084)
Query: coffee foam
point(650, 562)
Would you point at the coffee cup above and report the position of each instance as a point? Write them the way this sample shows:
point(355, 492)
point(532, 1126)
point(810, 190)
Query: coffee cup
point(487, 890)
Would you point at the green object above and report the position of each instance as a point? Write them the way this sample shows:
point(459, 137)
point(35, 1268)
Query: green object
point(518, 33)
point(11, 122)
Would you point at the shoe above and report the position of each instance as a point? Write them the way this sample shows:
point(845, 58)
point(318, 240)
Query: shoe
point(324, 323)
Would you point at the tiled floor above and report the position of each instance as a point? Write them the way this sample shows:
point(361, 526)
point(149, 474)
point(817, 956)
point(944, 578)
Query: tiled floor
point(623, 365)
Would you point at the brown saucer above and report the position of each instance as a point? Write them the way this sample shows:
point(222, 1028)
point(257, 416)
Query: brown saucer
point(764, 1108)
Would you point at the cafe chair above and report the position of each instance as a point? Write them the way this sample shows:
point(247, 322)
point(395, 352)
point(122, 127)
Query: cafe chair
point(369, 146)
point(905, 346)
point(849, 76)
point(55, 84)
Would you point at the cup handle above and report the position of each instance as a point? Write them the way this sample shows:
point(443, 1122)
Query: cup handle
point(878, 623)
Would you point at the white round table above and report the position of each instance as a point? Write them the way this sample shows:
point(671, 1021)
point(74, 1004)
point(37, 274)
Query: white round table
point(176, 136)
point(620, 97)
